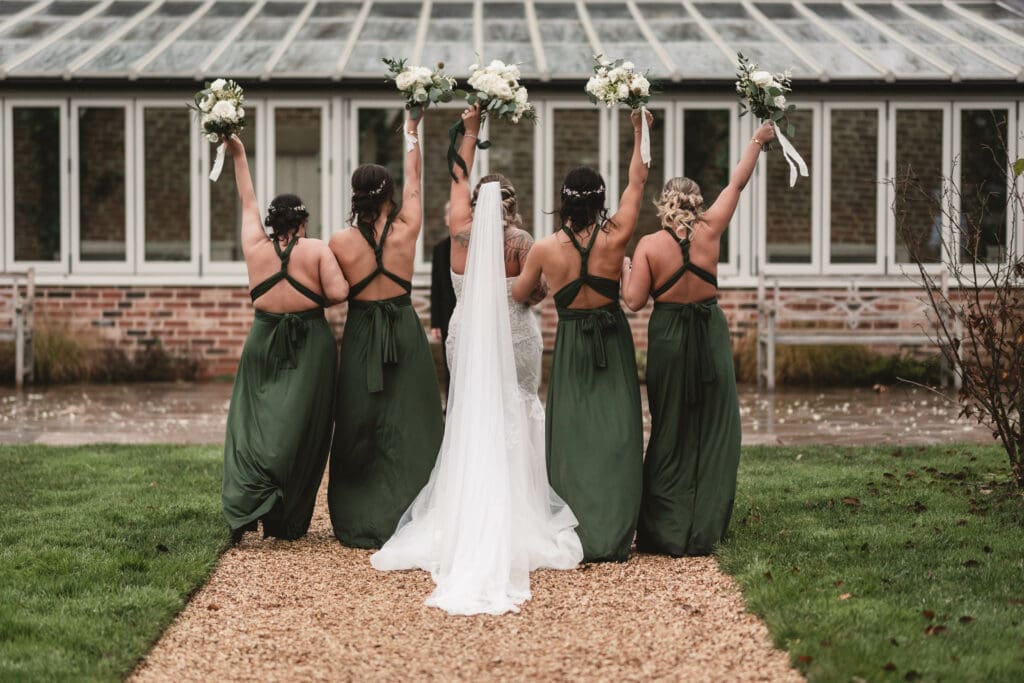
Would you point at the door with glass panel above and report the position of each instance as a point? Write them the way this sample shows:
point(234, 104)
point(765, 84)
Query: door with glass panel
point(298, 136)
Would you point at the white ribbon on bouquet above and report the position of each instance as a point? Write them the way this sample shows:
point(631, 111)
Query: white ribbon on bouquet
point(793, 157)
point(218, 163)
point(645, 138)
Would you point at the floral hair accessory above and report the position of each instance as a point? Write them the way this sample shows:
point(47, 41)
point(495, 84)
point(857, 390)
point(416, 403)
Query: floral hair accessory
point(581, 193)
point(274, 209)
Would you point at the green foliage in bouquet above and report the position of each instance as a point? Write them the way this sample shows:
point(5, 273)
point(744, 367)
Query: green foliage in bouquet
point(420, 86)
point(763, 93)
point(220, 107)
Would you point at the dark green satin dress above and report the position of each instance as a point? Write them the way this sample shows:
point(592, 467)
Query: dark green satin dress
point(694, 450)
point(594, 419)
point(387, 411)
point(281, 415)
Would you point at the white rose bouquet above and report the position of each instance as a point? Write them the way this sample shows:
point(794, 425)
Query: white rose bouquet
point(763, 94)
point(616, 82)
point(420, 86)
point(496, 89)
point(221, 110)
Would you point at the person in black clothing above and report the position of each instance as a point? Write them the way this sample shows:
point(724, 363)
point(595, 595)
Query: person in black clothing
point(442, 295)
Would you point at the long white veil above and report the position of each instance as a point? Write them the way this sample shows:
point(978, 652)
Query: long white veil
point(487, 515)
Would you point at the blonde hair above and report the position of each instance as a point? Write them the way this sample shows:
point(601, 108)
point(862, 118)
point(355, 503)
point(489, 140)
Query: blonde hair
point(509, 203)
point(680, 205)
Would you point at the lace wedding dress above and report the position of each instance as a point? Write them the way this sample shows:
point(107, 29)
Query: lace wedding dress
point(488, 516)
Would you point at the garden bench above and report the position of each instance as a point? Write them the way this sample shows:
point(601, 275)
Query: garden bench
point(844, 314)
point(17, 317)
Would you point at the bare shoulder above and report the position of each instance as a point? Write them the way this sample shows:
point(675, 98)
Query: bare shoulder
point(518, 236)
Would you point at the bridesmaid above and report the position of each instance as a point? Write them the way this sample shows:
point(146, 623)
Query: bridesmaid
point(280, 419)
point(388, 401)
point(694, 450)
point(594, 420)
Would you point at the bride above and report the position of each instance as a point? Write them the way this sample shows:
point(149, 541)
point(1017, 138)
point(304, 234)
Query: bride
point(488, 516)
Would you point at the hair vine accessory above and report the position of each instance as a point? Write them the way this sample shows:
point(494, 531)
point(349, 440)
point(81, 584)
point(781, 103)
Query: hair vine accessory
point(581, 193)
point(274, 209)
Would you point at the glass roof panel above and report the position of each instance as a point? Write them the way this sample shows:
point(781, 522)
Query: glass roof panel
point(254, 47)
point(1004, 16)
point(141, 39)
point(745, 34)
point(390, 31)
point(507, 36)
point(887, 53)
point(450, 37)
point(56, 56)
point(992, 42)
point(13, 7)
point(834, 58)
point(690, 48)
point(320, 41)
point(188, 53)
point(566, 48)
point(621, 37)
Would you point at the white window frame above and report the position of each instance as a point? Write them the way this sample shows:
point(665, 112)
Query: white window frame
point(761, 212)
point(1018, 185)
point(322, 105)
point(60, 266)
point(739, 226)
point(546, 225)
point(881, 208)
point(145, 266)
point(337, 166)
point(483, 167)
point(894, 267)
point(207, 152)
point(1011, 152)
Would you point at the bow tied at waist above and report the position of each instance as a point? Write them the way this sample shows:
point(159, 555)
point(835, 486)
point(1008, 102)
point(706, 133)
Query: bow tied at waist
point(381, 347)
point(698, 362)
point(288, 339)
point(596, 323)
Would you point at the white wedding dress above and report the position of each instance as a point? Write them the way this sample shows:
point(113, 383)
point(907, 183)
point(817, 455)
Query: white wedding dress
point(487, 516)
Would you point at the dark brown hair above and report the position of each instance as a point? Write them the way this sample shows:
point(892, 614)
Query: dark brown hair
point(583, 199)
point(372, 187)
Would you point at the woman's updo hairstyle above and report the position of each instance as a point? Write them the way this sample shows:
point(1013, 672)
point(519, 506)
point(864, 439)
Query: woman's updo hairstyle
point(583, 194)
point(680, 204)
point(372, 187)
point(509, 201)
point(285, 216)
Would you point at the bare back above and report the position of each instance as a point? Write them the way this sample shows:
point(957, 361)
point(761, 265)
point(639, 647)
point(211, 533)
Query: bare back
point(517, 246)
point(562, 263)
point(665, 258)
point(262, 262)
point(358, 261)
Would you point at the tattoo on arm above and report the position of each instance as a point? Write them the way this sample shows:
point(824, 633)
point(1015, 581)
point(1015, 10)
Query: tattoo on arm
point(517, 246)
point(539, 292)
point(462, 238)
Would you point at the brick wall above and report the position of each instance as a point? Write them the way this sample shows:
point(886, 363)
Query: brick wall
point(788, 218)
point(854, 187)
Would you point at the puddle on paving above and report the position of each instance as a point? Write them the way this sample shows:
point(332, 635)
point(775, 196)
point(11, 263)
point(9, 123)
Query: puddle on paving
point(195, 413)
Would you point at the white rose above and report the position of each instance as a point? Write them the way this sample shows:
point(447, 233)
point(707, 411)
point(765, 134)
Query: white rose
point(206, 104)
point(622, 92)
point(761, 79)
point(521, 96)
point(504, 91)
point(628, 66)
point(224, 111)
point(404, 81)
point(780, 101)
point(241, 113)
point(641, 86)
point(218, 85)
point(213, 137)
point(616, 74)
point(496, 65)
point(420, 95)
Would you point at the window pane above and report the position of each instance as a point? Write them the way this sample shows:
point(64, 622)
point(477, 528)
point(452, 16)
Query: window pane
point(576, 134)
point(983, 164)
point(854, 186)
point(919, 162)
point(101, 184)
point(167, 136)
point(706, 157)
point(225, 207)
point(37, 178)
point(648, 222)
point(788, 210)
point(381, 142)
point(511, 154)
point(297, 161)
point(436, 181)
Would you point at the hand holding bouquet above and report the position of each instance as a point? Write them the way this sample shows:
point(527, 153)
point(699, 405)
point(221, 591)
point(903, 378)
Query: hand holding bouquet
point(763, 94)
point(496, 89)
point(221, 114)
point(420, 86)
point(616, 82)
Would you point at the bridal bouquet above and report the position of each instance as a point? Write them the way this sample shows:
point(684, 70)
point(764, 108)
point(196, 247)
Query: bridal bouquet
point(420, 86)
point(496, 89)
point(221, 114)
point(617, 82)
point(763, 94)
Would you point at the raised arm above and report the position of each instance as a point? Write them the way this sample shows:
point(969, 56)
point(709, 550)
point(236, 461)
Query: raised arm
point(629, 204)
point(530, 286)
point(460, 218)
point(411, 214)
point(252, 221)
point(332, 280)
point(719, 214)
point(636, 278)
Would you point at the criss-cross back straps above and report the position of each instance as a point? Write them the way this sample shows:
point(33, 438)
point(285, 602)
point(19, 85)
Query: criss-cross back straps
point(265, 286)
point(378, 253)
point(688, 266)
point(604, 286)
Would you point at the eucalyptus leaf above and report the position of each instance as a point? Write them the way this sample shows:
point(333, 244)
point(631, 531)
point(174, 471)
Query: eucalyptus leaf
point(1018, 167)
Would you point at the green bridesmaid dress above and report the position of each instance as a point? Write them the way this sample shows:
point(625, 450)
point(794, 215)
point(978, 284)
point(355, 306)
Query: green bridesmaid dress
point(694, 450)
point(279, 423)
point(387, 412)
point(594, 418)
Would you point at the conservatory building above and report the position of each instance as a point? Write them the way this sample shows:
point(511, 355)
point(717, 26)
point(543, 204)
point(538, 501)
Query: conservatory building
point(103, 172)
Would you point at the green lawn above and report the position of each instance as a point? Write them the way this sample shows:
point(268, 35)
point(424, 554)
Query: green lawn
point(884, 563)
point(100, 547)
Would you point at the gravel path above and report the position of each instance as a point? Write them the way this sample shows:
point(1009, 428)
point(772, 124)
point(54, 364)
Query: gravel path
point(315, 610)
